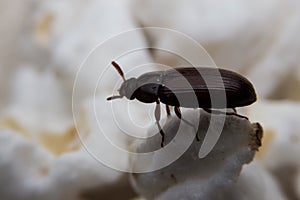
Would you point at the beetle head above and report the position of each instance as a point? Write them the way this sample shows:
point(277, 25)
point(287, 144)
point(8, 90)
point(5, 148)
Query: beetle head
point(128, 87)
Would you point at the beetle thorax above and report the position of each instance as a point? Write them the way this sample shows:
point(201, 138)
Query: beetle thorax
point(128, 87)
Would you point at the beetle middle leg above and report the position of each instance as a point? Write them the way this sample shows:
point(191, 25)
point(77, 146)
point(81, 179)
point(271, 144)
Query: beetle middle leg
point(218, 112)
point(168, 111)
point(157, 118)
point(178, 113)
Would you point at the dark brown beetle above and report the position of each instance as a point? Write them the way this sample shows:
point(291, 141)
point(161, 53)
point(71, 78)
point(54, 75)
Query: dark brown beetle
point(185, 84)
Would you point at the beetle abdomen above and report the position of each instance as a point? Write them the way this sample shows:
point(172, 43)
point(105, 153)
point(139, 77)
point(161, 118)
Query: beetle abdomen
point(186, 87)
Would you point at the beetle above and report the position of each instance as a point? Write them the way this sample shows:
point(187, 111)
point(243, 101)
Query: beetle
point(179, 86)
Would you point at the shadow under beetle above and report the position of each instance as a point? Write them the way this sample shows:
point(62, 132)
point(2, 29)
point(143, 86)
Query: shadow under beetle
point(177, 87)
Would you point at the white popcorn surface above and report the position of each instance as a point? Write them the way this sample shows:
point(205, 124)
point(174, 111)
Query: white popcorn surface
point(281, 144)
point(31, 172)
point(192, 177)
point(61, 139)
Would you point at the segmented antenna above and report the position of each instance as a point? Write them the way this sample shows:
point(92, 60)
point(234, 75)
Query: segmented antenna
point(114, 97)
point(118, 68)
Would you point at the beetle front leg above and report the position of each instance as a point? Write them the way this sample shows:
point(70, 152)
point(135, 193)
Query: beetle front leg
point(157, 118)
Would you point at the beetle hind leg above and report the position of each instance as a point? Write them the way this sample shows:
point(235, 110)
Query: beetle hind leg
point(157, 118)
point(218, 112)
point(178, 114)
point(235, 114)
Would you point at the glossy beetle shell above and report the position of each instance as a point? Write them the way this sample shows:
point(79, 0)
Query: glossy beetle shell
point(194, 87)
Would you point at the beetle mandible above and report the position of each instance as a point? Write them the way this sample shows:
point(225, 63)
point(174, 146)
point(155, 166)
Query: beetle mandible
point(187, 82)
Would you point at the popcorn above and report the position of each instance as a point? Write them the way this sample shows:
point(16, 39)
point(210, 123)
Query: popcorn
point(194, 178)
point(281, 124)
point(30, 172)
point(280, 146)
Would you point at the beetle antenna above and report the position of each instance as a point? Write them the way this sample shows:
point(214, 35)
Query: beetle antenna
point(114, 97)
point(118, 68)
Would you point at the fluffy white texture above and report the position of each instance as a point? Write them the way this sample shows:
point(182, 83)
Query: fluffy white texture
point(99, 133)
point(11, 32)
point(29, 172)
point(190, 177)
point(77, 27)
point(281, 60)
point(235, 34)
point(107, 129)
point(38, 106)
point(281, 144)
point(255, 38)
point(254, 182)
point(203, 19)
point(40, 102)
point(37, 102)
